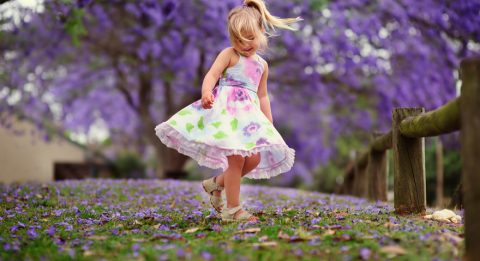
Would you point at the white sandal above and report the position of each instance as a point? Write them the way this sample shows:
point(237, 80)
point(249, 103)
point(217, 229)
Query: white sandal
point(228, 214)
point(210, 186)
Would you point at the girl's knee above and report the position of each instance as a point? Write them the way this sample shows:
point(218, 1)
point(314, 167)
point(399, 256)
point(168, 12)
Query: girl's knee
point(255, 159)
point(236, 161)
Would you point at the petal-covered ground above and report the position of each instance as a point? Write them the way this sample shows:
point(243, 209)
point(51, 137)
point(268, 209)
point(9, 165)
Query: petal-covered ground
point(169, 220)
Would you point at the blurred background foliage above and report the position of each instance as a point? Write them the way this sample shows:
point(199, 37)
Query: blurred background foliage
point(106, 73)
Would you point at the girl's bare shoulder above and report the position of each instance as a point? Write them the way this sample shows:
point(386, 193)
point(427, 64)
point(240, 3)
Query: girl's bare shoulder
point(231, 55)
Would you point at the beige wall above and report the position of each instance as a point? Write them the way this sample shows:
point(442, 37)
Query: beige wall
point(29, 158)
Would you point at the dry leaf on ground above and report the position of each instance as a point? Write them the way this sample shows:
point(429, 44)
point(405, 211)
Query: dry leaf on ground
point(266, 244)
point(393, 250)
point(192, 230)
point(248, 230)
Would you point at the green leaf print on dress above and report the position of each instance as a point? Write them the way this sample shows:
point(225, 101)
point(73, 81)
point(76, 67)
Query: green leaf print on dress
point(189, 126)
point(184, 112)
point(269, 132)
point(220, 135)
point(234, 124)
point(200, 123)
point(217, 124)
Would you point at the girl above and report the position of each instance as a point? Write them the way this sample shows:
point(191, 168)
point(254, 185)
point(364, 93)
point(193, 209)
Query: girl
point(231, 127)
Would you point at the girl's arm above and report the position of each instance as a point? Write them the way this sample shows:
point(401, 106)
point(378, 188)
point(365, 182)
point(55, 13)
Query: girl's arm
point(221, 62)
point(263, 94)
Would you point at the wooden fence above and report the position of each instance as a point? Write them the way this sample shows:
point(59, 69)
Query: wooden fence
point(367, 176)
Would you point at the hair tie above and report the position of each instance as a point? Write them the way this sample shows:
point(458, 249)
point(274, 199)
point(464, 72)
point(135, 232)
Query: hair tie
point(244, 5)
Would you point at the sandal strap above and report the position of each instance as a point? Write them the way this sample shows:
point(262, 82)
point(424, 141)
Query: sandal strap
point(210, 185)
point(244, 215)
point(217, 203)
point(216, 200)
point(217, 187)
point(232, 211)
point(229, 213)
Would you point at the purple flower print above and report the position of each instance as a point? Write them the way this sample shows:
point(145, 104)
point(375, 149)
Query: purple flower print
point(270, 158)
point(230, 81)
point(215, 91)
point(251, 128)
point(238, 94)
point(262, 141)
point(197, 105)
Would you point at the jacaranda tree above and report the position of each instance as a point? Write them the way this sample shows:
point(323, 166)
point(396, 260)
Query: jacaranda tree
point(129, 65)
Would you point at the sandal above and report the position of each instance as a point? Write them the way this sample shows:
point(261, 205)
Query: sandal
point(228, 214)
point(210, 186)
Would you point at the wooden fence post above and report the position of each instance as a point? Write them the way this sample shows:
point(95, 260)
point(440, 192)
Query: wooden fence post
point(409, 166)
point(360, 177)
point(470, 152)
point(377, 173)
point(361, 180)
point(439, 172)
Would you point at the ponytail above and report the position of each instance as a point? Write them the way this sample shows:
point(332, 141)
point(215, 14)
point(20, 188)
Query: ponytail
point(270, 21)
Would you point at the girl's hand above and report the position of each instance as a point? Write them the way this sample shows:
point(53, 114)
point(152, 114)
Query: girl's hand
point(207, 100)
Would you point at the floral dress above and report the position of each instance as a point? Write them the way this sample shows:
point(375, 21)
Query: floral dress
point(234, 125)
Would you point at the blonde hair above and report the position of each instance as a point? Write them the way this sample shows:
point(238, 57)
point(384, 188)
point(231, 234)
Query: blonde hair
point(254, 17)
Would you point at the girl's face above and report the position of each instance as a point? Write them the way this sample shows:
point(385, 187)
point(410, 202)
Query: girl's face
point(246, 48)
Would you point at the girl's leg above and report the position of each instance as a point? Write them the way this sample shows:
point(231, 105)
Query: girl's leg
point(250, 164)
point(232, 177)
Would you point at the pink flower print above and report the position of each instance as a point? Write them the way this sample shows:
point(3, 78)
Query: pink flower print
point(252, 71)
point(247, 107)
point(232, 110)
point(251, 128)
point(174, 141)
point(238, 94)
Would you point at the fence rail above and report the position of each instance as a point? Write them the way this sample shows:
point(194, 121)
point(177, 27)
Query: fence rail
point(367, 176)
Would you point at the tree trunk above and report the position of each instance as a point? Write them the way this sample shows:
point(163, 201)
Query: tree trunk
point(170, 162)
point(173, 160)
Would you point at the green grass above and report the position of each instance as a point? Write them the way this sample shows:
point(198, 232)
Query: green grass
point(148, 220)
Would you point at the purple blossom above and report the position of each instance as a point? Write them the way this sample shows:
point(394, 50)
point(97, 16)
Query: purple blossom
point(135, 249)
point(168, 7)
point(315, 221)
point(180, 253)
point(32, 234)
point(206, 255)
point(304, 87)
point(365, 253)
point(51, 231)
point(115, 232)
point(58, 212)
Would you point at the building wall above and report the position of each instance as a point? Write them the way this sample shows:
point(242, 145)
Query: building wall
point(29, 158)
